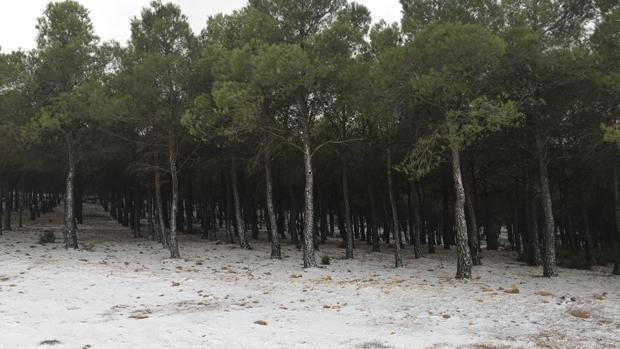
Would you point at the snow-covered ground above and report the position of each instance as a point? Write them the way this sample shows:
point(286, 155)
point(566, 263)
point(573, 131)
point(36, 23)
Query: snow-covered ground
point(125, 293)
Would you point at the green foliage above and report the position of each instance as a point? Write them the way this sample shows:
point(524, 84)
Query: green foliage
point(424, 157)
point(454, 64)
point(420, 14)
point(611, 133)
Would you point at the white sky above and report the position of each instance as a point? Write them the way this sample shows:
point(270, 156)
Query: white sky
point(111, 18)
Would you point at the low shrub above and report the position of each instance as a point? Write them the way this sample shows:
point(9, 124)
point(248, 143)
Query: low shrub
point(325, 260)
point(47, 237)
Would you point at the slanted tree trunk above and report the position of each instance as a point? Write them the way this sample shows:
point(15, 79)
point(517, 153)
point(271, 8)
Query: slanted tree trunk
point(398, 262)
point(308, 238)
point(271, 213)
point(69, 232)
point(240, 226)
point(347, 212)
point(464, 261)
point(172, 238)
point(549, 231)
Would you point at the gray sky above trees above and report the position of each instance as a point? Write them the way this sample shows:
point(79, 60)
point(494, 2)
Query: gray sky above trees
point(111, 18)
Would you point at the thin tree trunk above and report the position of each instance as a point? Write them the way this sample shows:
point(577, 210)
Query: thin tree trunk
point(347, 212)
point(21, 199)
point(374, 222)
point(417, 218)
point(163, 237)
point(472, 226)
point(464, 261)
point(172, 241)
point(308, 238)
point(398, 262)
point(616, 270)
point(271, 213)
point(70, 233)
point(243, 239)
point(587, 232)
point(229, 212)
point(549, 232)
point(535, 258)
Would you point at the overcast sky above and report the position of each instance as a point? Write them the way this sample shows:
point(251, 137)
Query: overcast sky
point(111, 18)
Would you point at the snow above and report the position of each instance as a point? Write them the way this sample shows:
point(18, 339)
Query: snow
point(125, 293)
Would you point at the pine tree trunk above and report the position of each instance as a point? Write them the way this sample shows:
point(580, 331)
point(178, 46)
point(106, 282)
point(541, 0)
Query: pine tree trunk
point(535, 258)
point(549, 231)
point(1, 207)
point(172, 238)
point(228, 213)
point(347, 212)
point(21, 199)
point(464, 261)
point(374, 221)
point(398, 262)
point(69, 232)
point(308, 237)
point(9, 208)
point(616, 270)
point(472, 226)
point(240, 226)
point(587, 232)
point(445, 219)
point(163, 237)
point(417, 219)
point(271, 213)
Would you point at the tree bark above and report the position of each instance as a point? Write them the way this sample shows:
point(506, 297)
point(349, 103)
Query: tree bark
point(163, 237)
point(398, 262)
point(21, 199)
point(69, 232)
point(308, 238)
point(374, 222)
point(172, 238)
point(549, 232)
point(347, 212)
point(240, 226)
point(472, 226)
point(616, 270)
point(534, 254)
point(308, 231)
point(464, 261)
point(271, 213)
point(417, 218)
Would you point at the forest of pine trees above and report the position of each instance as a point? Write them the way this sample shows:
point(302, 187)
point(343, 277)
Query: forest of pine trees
point(470, 125)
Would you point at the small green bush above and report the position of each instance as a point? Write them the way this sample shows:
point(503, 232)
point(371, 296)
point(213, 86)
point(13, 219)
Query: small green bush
point(47, 237)
point(325, 260)
point(88, 246)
